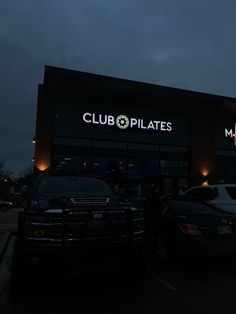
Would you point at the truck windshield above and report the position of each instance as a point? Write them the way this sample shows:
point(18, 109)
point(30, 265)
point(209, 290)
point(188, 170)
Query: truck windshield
point(72, 186)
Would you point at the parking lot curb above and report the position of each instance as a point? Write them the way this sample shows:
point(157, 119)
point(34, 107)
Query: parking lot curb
point(3, 244)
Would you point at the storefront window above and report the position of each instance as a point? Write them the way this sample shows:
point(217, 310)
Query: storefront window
point(113, 170)
point(224, 152)
point(72, 141)
point(142, 167)
point(109, 144)
point(174, 168)
point(126, 166)
point(225, 169)
point(143, 147)
point(173, 149)
point(73, 164)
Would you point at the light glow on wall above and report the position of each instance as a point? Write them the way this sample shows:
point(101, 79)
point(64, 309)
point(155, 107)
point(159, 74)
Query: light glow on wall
point(42, 165)
point(205, 172)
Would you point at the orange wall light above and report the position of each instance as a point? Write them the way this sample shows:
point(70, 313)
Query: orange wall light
point(42, 166)
point(205, 183)
point(204, 172)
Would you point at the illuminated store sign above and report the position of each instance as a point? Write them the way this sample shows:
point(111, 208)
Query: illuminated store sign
point(123, 122)
point(231, 133)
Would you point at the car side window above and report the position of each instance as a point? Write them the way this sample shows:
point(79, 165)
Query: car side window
point(205, 193)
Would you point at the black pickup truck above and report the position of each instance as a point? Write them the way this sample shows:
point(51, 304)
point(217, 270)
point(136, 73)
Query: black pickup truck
point(77, 224)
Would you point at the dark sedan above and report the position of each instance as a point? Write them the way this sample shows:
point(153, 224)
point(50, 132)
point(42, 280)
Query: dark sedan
point(193, 228)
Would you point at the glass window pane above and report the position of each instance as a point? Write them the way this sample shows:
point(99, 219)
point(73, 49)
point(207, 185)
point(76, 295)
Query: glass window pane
point(223, 152)
point(173, 149)
point(174, 168)
point(72, 141)
point(143, 147)
point(109, 144)
point(78, 164)
point(142, 167)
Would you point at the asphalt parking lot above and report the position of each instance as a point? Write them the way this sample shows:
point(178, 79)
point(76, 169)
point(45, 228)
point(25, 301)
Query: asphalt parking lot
point(193, 287)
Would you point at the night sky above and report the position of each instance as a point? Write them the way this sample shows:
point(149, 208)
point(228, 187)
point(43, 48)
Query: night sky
point(188, 44)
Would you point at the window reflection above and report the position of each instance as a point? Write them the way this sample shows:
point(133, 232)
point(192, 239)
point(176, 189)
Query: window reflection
point(113, 170)
point(74, 164)
point(142, 166)
point(136, 177)
point(174, 168)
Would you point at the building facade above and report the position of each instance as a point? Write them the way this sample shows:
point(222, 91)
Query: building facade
point(138, 136)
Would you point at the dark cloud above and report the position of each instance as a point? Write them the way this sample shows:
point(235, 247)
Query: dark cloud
point(181, 43)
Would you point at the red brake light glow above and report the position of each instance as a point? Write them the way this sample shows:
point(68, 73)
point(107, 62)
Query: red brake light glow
point(189, 229)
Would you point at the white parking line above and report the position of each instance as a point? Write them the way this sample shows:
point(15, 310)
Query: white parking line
point(162, 281)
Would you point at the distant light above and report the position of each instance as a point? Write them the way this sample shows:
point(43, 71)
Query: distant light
point(5, 180)
point(34, 140)
point(67, 158)
point(63, 162)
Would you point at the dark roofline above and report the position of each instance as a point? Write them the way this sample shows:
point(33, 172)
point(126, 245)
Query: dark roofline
point(52, 71)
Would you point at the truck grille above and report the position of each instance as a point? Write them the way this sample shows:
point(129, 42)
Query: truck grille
point(79, 226)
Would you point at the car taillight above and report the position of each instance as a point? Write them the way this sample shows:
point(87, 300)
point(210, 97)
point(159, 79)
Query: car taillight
point(189, 229)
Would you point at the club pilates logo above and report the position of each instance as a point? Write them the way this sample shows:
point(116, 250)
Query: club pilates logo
point(231, 133)
point(123, 122)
